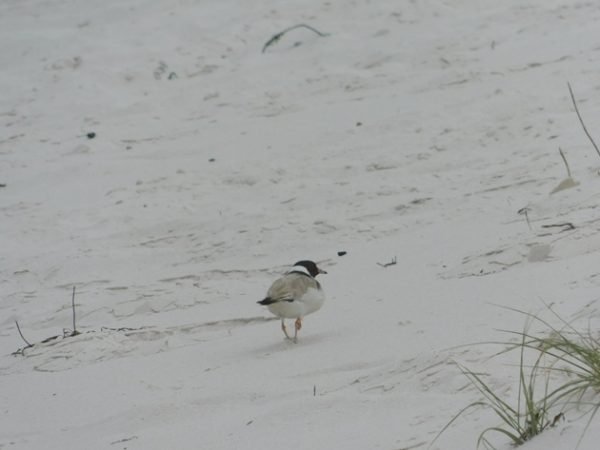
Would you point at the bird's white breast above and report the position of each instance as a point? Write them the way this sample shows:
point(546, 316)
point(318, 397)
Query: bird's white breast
point(312, 300)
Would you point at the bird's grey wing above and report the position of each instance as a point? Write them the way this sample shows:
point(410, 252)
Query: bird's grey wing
point(291, 287)
point(281, 291)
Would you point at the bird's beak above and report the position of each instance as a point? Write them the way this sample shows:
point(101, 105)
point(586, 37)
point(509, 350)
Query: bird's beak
point(321, 270)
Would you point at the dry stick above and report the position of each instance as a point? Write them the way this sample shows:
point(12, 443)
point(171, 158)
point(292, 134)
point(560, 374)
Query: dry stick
point(565, 161)
point(391, 263)
point(75, 332)
point(73, 306)
point(581, 120)
point(279, 35)
point(565, 225)
point(21, 334)
point(121, 329)
point(524, 211)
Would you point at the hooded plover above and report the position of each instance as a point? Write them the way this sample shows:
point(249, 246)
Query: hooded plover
point(295, 295)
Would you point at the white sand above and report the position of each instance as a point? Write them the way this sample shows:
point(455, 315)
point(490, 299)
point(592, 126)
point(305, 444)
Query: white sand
point(416, 130)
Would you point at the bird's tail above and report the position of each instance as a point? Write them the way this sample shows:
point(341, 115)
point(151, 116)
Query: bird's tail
point(266, 301)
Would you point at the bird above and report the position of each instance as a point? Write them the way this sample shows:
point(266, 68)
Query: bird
point(295, 295)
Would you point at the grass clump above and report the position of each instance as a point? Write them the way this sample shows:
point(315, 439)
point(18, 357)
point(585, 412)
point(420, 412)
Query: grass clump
point(576, 362)
point(564, 377)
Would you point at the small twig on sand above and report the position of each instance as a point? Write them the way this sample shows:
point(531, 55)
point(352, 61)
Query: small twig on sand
point(73, 305)
point(566, 225)
point(50, 339)
point(391, 263)
point(276, 37)
point(21, 351)
point(23, 337)
point(524, 212)
point(564, 158)
point(581, 120)
point(74, 332)
point(121, 329)
point(568, 182)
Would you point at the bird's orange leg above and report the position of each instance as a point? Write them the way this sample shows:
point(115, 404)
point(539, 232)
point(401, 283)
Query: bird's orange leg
point(298, 327)
point(284, 329)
